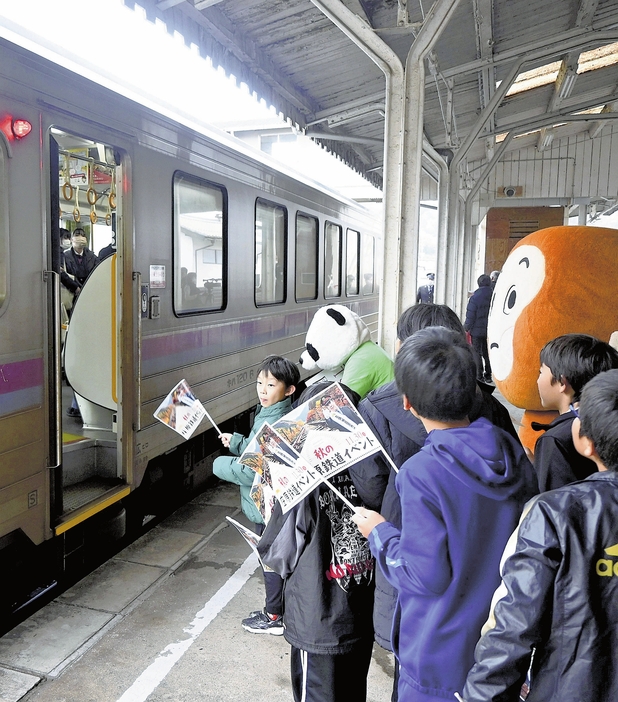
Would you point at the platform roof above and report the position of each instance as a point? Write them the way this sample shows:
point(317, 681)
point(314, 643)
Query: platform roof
point(294, 57)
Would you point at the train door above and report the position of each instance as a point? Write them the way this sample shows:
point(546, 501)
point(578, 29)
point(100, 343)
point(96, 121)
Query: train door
point(86, 254)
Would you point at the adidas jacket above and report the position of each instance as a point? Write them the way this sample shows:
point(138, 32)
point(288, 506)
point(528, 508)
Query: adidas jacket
point(561, 594)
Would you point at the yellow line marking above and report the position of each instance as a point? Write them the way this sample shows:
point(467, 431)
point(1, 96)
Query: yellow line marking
point(87, 512)
point(71, 438)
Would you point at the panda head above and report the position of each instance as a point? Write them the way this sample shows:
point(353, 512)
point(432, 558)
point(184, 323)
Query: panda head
point(333, 335)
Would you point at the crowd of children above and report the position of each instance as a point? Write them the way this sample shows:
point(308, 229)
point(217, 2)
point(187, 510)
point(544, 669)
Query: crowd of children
point(437, 519)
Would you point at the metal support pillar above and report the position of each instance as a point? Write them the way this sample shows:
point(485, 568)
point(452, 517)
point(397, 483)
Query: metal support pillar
point(443, 201)
point(403, 143)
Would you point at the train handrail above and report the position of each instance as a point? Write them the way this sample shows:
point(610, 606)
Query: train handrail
point(55, 397)
point(137, 422)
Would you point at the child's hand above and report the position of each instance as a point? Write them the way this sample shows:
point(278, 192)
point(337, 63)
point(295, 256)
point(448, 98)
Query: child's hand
point(366, 520)
point(225, 439)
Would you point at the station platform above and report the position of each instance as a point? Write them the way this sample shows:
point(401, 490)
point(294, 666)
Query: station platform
point(160, 621)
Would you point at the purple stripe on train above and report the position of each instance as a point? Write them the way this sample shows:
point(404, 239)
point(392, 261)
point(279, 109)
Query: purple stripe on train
point(21, 375)
point(192, 346)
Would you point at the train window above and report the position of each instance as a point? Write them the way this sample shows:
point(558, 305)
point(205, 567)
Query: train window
point(332, 260)
point(270, 253)
point(352, 262)
point(368, 264)
point(4, 226)
point(200, 217)
point(306, 257)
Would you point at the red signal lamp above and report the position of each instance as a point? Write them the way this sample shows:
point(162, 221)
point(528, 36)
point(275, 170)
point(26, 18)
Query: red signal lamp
point(20, 128)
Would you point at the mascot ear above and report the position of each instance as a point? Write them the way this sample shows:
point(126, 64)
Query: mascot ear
point(337, 316)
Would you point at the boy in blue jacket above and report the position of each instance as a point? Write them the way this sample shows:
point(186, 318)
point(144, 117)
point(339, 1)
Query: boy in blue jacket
point(461, 497)
point(276, 382)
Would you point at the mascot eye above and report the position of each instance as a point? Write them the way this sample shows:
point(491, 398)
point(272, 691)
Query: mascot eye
point(510, 300)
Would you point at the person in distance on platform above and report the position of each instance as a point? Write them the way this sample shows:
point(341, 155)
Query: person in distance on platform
point(276, 382)
point(558, 616)
point(477, 315)
point(425, 292)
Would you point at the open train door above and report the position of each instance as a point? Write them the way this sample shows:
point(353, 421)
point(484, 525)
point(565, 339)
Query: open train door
point(86, 408)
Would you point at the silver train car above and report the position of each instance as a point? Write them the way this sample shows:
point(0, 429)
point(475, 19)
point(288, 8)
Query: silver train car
point(220, 259)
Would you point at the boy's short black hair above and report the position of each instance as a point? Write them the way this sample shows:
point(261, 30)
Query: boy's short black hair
point(281, 369)
point(578, 358)
point(436, 371)
point(483, 281)
point(427, 315)
point(598, 413)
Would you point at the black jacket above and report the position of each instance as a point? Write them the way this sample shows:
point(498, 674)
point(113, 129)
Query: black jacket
point(401, 435)
point(327, 569)
point(80, 267)
point(477, 312)
point(562, 589)
point(556, 461)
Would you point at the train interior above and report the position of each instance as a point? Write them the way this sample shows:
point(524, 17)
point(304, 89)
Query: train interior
point(87, 195)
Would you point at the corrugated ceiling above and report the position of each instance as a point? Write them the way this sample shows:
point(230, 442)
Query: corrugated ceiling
point(291, 55)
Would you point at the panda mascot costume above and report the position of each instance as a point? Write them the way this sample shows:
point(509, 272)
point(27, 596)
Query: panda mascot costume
point(339, 343)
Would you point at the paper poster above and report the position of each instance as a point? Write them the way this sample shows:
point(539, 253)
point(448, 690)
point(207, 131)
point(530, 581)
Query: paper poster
point(181, 410)
point(328, 432)
point(280, 472)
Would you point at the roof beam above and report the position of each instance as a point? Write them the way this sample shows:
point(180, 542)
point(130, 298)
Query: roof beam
point(166, 4)
point(572, 39)
point(203, 4)
point(548, 120)
point(585, 13)
point(351, 114)
point(567, 75)
point(357, 8)
point(483, 19)
point(597, 126)
point(348, 138)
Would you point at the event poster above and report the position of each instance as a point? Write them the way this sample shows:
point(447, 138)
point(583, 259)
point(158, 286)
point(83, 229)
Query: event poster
point(328, 432)
point(280, 472)
point(181, 410)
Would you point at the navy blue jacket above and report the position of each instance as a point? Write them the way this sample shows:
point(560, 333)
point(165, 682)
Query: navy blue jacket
point(401, 435)
point(477, 312)
point(461, 495)
point(556, 460)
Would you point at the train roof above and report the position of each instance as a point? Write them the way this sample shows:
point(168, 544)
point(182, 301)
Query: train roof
point(47, 62)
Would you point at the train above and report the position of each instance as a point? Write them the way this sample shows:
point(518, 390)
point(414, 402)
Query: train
point(219, 257)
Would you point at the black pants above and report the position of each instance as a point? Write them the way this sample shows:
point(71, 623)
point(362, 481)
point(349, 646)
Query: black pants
point(273, 584)
point(331, 678)
point(479, 343)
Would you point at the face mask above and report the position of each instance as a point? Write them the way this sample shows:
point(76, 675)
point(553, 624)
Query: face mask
point(65, 244)
point(80, 241)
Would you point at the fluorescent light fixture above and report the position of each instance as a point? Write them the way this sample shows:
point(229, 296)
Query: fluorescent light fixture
point(567, 83)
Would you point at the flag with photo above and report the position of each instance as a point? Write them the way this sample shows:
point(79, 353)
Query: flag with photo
point(181, 410)
point(328, 432)
point(280, 472)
